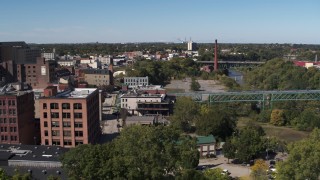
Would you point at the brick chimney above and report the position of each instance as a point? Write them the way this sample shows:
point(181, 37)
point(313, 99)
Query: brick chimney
point(216, 56)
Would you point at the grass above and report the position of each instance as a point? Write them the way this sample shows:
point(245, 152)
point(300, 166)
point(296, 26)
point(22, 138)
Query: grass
point(284, 133)
point(171, 90)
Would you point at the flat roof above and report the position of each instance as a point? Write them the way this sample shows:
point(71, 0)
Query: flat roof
point(76, 93)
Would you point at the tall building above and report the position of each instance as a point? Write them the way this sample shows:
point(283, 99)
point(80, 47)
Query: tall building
point(37, 75)
point(13, 53)
point(17, 124)
point(69, 118)
point(192, 46)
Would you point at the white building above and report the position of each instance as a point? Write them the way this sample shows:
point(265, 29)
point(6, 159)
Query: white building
point(136, 81)
point(48, 56)
point(191, 46)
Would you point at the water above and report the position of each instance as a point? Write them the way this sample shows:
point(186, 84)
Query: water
point(237, 76)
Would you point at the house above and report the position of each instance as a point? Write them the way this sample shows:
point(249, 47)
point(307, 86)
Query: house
point(206, 145)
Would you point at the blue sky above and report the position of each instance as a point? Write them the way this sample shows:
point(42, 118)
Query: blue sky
point(110, 21)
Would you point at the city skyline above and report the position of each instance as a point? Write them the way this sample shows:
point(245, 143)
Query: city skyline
point(124, 21)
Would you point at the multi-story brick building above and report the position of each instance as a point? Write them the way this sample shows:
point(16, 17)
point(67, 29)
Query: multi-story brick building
point(17, 124)
point(37, 75)
point(96, 77)
point(69, 118)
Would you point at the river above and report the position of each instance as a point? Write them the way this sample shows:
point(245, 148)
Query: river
point(237, 76)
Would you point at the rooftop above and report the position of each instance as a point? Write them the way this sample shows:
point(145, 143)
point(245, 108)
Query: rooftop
point(205, 139)
point(76, 93)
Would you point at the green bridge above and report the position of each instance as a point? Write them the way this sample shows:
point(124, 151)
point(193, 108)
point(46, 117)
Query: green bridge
point(263, 97)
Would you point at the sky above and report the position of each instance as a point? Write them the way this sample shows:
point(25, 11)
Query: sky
point(121, 21)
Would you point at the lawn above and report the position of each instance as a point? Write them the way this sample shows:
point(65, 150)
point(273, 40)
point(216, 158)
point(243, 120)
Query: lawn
point(284, 133)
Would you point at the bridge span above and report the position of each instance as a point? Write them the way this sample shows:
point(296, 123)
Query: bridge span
point(263, 97)
point(230, 64)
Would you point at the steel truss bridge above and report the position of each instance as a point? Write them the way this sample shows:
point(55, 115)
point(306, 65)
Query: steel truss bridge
point(265, 98)
point(232, 64)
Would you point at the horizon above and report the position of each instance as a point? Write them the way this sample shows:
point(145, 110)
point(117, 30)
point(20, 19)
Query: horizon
point(124, 21)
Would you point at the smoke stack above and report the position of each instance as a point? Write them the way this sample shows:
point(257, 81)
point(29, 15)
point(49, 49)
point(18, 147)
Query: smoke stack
point(216, 56)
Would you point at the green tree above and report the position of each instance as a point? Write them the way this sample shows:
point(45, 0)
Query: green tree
point(229, 150)
point(185, 112)
point(216, 120)
point(303, 161)
point(215, 174)
point(3, 175)
point(248, 142)
point(194, 86)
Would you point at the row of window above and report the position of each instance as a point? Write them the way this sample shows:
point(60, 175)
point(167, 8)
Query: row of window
point(64, 106)
point(65, 133)
point(65, 142)
point(5, 138)
point(10, 112)
point(10, 102)
point(5, 129)
point(65, 124)
point(5, 120)
point(64, 115)
point(136, 80)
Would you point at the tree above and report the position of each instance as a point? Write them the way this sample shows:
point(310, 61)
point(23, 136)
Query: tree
point(259, 170)
point(194, 86)
point(185, 112)
point(277, 117)
point(303, 161)
point(3, 175)
point(229, 150)
point(248, 143)
point(216, 120)
point(215, 174)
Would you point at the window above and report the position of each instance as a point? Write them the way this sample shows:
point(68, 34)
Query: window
point(78, 124)
point(13, 138)
point(54, 124)
point(55, 115)
point(66, 124)
point(54, 105)
point(46, 142)
point(45, 124)
point(12, 112)
point(44, 105)
point(67, 133)
point(77, 115)
point(3, 111)
point(55, 133)
point(65, 106)
point(56, 142)
point(67, 142)
point(45, 115)
point(78, 133)
point(77, 106)
point(13, 129)
point(45, 133)
point(65, 115)
point(78, 142)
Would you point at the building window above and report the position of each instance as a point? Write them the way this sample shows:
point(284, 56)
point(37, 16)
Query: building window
point(65, 106)
point(12, 112)
point(54, 105)
point(45, 124)
point(77, 115)
point(78, 133)
point(45, 133)
point(44, 105)
point(66, 124)
point(66, 115)
point(46, 142)
point(77, 106)
point(45, 115)
point(56, 142)
point(3, 111)
point(67, 143)
point(13, 129)
point(67, 133)
point(78, 124)
point(78, 142)
point(55, 115)
point(54, 124)
point(13, 138)
point(55, 133)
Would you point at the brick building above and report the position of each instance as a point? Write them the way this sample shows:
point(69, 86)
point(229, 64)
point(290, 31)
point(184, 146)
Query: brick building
point(37, 75)
point(17, 124)
point(69, 118)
